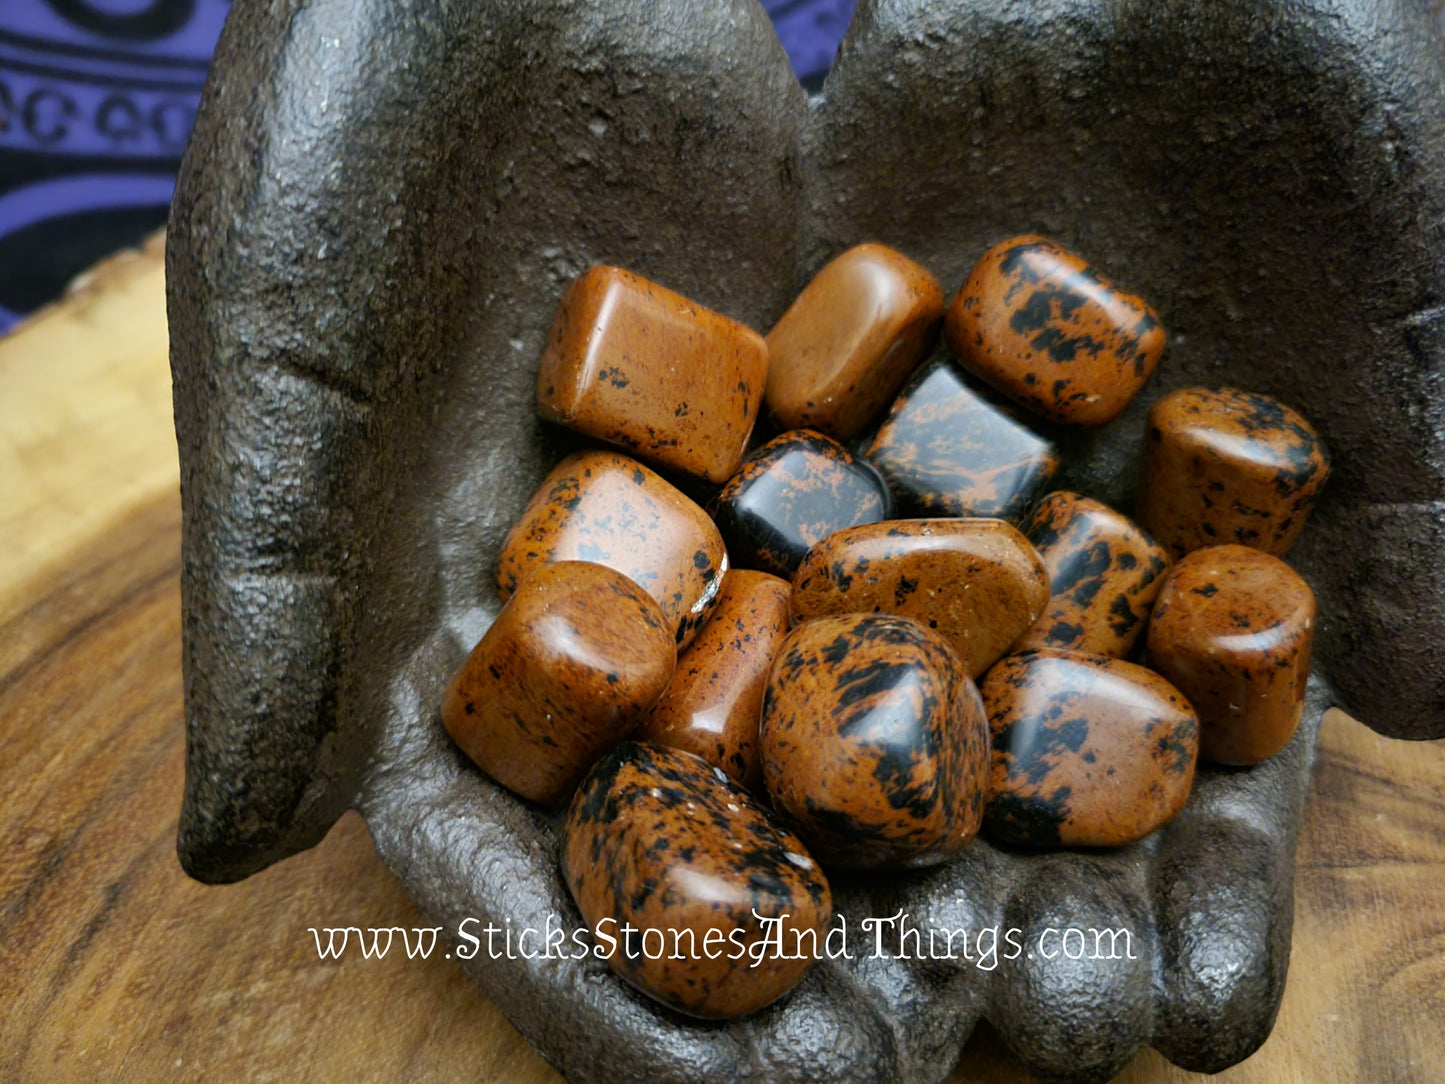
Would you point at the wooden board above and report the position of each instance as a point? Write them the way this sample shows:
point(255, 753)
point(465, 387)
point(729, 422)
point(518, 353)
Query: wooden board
point(114, 966)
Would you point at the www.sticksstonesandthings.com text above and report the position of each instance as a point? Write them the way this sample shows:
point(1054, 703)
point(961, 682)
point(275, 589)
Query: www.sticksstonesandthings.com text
point(896, 936)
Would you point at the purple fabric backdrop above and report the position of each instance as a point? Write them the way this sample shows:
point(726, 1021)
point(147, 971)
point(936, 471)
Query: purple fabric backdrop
point(810, 31)
point(96, 103)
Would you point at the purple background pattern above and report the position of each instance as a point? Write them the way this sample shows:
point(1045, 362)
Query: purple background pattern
point(97, 98)
point(96, 103)
point(810, 31)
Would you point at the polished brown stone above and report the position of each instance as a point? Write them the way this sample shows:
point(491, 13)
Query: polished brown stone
point(634, 364)
point(843, 349)
point(1233, 629)
point(602, 506)
point(1041, 326)
point(712, 705)
point(1088, 751)
point(564, 673)
point(1104, 574)
point(1228, 466)
point(792, 493)
point(663, 842)
point(875, 745)
point(945, 450)
point(977, 582)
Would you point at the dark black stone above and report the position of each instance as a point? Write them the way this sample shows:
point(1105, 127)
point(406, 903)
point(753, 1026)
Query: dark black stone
point(946, 450)
point(792, 493)
point(380, 207)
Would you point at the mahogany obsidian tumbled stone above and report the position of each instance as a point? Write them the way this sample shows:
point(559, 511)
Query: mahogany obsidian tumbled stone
point(977, 582)
point(1041, 326)
point(712, 704)
point(608, 508)
point(1233, 629)
point(634, 364)
point(945, 450)
point(1104, 573)
point(664, 842)
point(848, 342)
point(1087, 750)
point(564, 672)
point(358, 297)
point(875, 745)
point(792, 493)
point(1228, 466)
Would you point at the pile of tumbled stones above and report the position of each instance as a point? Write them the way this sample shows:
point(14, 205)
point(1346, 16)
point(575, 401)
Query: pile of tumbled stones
point(799, 677)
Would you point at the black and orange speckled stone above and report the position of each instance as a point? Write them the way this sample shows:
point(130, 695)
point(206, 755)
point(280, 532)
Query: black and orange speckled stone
point(846, 345)
point(564, 673)
point(1088, 750)
point(792, 493)
point(945, 450)
point(874, 740)
point(977, 582)
point(1104, 574)
point(1228, 466)
point(665, 842)
point(1037, 323)
point(637, 365)
point(605, 507)
point(711, 706)
point(1234, 628)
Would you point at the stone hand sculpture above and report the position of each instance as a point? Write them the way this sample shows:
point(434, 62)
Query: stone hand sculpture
point(380, 207)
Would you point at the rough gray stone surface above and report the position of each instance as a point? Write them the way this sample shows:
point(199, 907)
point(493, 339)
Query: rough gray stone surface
point(380, 207)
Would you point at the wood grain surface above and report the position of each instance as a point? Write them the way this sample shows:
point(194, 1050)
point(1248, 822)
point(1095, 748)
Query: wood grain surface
point(114, 966)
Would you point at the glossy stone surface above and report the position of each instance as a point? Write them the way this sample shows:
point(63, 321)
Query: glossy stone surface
point(792, 493)
point(1041, 326)
point(1233, 629)
point(605, 507)
point(1228, 466)
point(843, 349)
point(875, 745)
point(564, 673)
point(1104, 574)
point(945, 450)
point(634, 364)
point(977, 582)
point(1088, 751)
point(663, 841)
point(712, 705)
